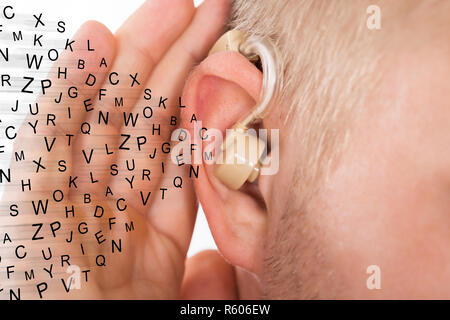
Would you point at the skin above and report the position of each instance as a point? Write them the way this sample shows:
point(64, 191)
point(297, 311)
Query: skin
point(152, 263)
point(386, 201)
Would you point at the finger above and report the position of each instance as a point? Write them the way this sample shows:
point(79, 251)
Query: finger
point(89, 56)
point(167, 81)
point(175, 215)
point(208, 277)
point(48, 142)
point(142, 41)
point(173, 205)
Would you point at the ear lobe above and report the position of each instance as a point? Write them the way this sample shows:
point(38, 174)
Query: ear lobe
point(220, 91)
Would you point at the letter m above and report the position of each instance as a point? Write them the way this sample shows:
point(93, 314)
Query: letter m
point(118, 102)
point(129, 227)
point(208, 156)
point(19, 157)
point(17, 36)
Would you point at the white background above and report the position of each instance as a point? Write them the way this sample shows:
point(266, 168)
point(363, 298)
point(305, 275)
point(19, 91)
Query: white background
point(112, 13)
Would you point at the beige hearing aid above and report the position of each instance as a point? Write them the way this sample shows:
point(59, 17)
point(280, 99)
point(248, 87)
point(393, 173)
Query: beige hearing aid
point(241, 153)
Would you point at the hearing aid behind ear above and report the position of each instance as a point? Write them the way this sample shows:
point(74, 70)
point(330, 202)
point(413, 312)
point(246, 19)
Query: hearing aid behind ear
point(241, 152)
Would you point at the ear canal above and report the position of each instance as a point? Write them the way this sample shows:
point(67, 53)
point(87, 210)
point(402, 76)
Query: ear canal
point(239, 160)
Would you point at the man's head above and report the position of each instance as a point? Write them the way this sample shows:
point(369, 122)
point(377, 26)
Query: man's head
point(364, 149)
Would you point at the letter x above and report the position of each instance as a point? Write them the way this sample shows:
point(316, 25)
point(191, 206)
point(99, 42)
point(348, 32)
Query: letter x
point(39, 165)
point(134, 80)
point(38, 20)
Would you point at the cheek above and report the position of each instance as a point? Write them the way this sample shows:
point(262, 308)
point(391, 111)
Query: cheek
point(276, 186)
point(391, 222)
point(388, 204)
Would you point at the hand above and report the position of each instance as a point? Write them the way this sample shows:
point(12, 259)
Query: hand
point(141, 237)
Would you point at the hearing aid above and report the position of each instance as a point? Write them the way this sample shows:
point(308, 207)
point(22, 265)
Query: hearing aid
point(239, 160)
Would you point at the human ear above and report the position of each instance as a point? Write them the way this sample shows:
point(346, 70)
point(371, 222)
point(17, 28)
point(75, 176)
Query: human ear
point(219, 92)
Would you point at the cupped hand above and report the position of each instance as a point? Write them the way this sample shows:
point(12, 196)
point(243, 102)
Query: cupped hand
point(114, 210)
